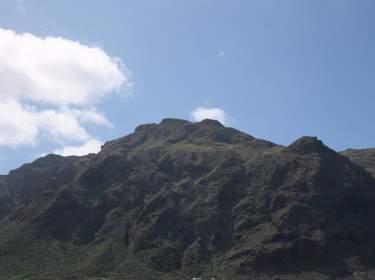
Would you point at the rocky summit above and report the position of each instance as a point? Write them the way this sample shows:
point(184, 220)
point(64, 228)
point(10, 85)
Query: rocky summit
point(177, 200)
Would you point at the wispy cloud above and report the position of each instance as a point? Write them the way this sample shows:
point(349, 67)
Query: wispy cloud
point(221, 55)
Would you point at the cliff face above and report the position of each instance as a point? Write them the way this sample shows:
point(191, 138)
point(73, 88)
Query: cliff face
point(180, 198)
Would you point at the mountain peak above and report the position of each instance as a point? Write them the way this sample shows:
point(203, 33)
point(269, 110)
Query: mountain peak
point(211, 123)
point(172, 131)
point(308, 144)
point(173, 122)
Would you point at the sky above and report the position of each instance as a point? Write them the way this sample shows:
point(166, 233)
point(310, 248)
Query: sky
point(74, 74)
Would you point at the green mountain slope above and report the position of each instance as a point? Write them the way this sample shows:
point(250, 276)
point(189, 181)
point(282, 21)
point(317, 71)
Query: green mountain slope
point(178, 199)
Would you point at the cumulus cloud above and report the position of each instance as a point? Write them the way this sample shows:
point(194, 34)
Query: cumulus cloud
point(90, 146)
point(203, 112)
point(50, 85)
point(61, 124)
point(55, 70)
point(17, 124)
point(22, 124)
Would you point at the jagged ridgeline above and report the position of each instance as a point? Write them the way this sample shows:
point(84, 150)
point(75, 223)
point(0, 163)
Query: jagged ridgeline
point(178, 199)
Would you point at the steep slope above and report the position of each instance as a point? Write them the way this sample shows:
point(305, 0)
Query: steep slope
point(178, 199)
point(363, 157)
point(31, 180)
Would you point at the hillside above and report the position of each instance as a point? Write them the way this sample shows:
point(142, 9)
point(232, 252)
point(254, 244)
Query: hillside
point(178, 199)
point(363, 157)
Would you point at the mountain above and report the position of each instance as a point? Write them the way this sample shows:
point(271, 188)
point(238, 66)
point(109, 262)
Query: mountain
point(363, 157)
point(178, 199)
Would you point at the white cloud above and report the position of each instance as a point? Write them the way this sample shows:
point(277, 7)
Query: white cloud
point(17, 124)
point(218, 114)
point(49, 87)
point(62, 125)
point(91, 115)
point(22, 124)
point(90, 146)
point(54, 70)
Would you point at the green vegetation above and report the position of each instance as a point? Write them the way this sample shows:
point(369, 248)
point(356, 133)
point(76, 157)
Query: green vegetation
point(178, 199)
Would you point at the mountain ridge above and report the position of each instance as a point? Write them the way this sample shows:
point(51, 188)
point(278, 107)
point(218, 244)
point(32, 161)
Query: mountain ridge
point(178, 198)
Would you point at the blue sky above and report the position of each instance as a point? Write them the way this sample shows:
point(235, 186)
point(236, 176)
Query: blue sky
point(274, 69)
